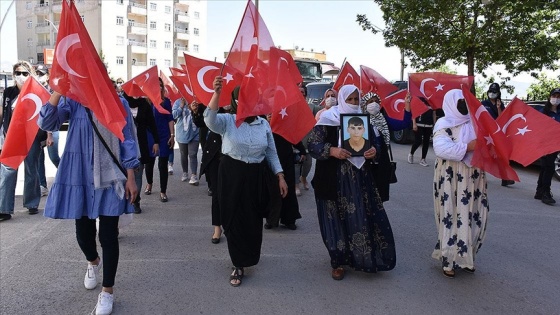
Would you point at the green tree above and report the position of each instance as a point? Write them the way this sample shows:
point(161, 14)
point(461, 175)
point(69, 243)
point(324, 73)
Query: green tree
point(521, 35)
point(540, 90)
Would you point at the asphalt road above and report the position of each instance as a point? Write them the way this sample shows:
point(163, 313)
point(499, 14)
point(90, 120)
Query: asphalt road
point(169, 266)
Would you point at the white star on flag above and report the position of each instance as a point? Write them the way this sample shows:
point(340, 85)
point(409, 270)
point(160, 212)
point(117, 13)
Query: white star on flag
point(228, 77)
point(522, 131)
point(250, 75)
point(489, 140)
point(283, 112)
point(439, 87)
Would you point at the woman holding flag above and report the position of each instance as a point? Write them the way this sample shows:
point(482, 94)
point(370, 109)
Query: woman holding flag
point(460, 197)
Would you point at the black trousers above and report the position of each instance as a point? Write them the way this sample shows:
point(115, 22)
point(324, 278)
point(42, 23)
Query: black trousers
point(547, 172)
point(163, 175)
point(108, 238)
point(422, 136)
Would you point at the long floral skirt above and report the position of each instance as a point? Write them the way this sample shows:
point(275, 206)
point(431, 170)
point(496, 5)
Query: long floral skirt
point(461, 213)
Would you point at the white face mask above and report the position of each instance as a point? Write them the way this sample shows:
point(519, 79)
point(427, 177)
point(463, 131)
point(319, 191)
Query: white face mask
point(20, 79)
point(330, 101)
point(373, 108)
point(493, 95)
point(43, 79)
point(555, 101)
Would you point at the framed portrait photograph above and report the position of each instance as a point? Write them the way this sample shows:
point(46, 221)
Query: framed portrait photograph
point(354, 133)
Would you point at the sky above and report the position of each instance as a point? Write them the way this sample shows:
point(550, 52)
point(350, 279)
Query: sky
point(326, 25)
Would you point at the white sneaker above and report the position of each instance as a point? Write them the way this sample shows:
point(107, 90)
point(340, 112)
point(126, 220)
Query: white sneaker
point(104, 303)
point(92, 273)
point(184, 177)
point(44, 191)
point(298, 192)
point(423, 162)
point(170, 169)
point(194, 180)
point(410, 158)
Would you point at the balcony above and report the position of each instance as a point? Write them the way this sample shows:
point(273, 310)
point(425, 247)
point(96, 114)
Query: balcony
point(43, 28)
point(181, 49)
point(137, 8)
point(135, 47)
point(42, 8)
point(137, 28)
point(182, 16)
point(57, 6)
point(182, 34)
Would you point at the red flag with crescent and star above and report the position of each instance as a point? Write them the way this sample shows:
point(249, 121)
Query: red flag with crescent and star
point(291, 116)
point(23, 126)
point(394, 104)
point(417, 107)
point(433, 86)
point(250, 54)
point(372, 81)
point(183, 85)
point(347, 75)
point(172, 93)
point(202, 72)
point(529, 132)
point(492, 150)
point(146, 84)
point(77, 72)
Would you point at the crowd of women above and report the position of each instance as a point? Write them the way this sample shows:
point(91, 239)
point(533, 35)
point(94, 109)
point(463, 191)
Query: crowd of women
point(251, 176)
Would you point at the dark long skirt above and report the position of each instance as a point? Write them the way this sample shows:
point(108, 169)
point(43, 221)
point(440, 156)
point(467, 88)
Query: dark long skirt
point(355, 227)
point(212, 178)
point(242, 200)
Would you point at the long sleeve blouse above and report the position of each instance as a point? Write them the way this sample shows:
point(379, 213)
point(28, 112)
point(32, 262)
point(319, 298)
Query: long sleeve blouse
point(183, 117)
point(250, 143)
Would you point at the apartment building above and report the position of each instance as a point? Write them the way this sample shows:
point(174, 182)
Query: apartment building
point(131, 35)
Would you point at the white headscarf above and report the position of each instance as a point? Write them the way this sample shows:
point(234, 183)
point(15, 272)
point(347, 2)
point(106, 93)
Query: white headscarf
point(331, 117)
point(454, 118)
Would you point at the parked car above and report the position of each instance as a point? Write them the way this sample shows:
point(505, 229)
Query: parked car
point(316, 91)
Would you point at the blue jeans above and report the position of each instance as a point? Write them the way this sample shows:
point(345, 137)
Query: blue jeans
point(53, 156)
point(31, 190)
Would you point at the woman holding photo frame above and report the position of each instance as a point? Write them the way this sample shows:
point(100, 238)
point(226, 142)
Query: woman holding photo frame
point(353, 222)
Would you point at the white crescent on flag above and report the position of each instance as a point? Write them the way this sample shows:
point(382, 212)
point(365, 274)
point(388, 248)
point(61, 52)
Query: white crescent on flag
point(38, 103)
point(514, 117)
point(396, 104)
point(62, 49)
point(422, 86)
point(200, 77)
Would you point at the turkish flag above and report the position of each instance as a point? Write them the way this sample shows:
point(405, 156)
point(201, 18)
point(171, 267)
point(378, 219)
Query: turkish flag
point(23, 126)
point(372, 81)
point(291, 116)
point(146, 84)
point(77, 72)
point(529, 132)
point(202, 73)
point(417, 107)
point(281, 56)
point(183, 84)
point(250, 54)
point(433, 86)
point(347, 75)
point(394, 104)
point(492, 150)
point(172, 93)
point(177, 71)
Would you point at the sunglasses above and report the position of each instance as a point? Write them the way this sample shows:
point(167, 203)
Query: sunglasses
point(24, 73)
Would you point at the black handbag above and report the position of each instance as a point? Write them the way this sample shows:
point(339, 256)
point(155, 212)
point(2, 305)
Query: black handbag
point(393, 177)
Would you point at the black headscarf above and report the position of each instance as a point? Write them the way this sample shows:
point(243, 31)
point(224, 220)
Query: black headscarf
point(234, 98)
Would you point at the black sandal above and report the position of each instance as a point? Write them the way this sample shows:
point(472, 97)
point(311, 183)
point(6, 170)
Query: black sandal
point(449, 274)
point(237, 275)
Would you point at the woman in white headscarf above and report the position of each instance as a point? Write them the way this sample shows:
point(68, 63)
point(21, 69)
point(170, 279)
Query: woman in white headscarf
point(460, 198)
point(353, 222)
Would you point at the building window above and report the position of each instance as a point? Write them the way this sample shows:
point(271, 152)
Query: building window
point(167, 9)
point(120, 20)
point(153, 44)
point(167, 45)
point(28, 5)
point(120, 1)
point(167, 63)
point(29, 24)
point(153, 25)
point(196, 31)
point(152, 62)
point(40, 58)
point(196, 14)
point(167, 27)
point(153, 6)
point(120, 40)
point(195, 48)
point(83, 18)
point(120, 60)
point(30, 42)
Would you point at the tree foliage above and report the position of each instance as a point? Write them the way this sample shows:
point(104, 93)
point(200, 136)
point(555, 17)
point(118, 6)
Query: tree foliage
point(540, 90)
point(522, 35)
